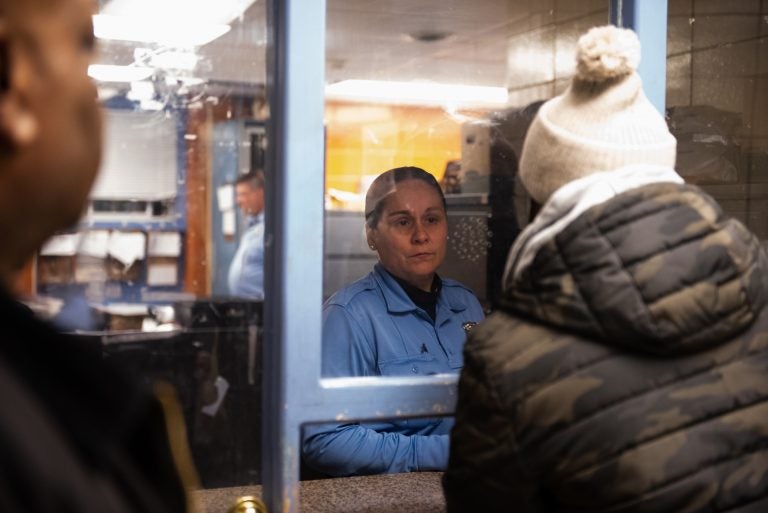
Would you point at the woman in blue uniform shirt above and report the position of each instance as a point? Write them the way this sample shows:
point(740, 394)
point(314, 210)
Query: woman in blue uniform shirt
point(402, 319)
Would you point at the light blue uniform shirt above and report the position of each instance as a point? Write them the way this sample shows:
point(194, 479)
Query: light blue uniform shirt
point(246, 272)
point(372, 328)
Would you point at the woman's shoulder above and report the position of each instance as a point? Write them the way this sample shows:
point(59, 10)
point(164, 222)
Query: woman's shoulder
point(359, 290)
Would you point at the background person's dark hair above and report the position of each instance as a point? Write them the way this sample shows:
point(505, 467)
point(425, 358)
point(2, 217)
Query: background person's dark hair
point(386, 183)
point(254, 177)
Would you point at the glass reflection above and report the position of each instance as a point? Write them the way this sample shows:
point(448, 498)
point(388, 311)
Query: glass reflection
point(146, 270)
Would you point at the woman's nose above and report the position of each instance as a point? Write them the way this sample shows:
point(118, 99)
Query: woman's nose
point(420, 234)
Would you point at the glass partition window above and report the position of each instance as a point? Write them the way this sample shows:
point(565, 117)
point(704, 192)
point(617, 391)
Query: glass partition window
point(449, 87)
point(442, 93)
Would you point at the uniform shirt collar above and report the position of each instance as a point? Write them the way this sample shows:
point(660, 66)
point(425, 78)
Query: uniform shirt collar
point(398, 301)
point(251, 220)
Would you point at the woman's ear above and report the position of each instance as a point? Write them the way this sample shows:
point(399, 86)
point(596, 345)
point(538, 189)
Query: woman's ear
point(370, 237)
point(18, 124)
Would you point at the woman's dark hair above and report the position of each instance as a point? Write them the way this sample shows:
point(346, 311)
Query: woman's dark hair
point(386, 183)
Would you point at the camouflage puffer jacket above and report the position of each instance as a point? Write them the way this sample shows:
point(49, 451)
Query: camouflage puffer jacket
point(627, 371)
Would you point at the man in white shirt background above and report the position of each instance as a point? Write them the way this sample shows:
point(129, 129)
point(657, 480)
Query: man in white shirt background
point(246, 271)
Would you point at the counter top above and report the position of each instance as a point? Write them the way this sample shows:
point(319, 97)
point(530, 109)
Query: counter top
point(417, 492)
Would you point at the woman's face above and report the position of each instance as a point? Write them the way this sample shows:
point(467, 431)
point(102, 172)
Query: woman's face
point(411, 234)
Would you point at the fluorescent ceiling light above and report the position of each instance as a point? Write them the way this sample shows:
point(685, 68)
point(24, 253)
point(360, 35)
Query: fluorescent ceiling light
point(177, 34)
point(176, 12)
point(179, 23)
point(417, 93)
point(112, 73)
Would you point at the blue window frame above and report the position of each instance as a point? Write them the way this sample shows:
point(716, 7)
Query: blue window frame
point(649, 21)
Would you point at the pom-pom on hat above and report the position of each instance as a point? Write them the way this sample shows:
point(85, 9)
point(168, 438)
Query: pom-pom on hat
point(602, 122)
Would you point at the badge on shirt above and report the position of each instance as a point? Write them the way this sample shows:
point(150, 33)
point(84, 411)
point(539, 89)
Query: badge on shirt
point(468, 326)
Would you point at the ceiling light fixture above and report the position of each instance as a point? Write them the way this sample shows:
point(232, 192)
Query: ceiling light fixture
point(417, 93)
point(428, 36)
point(179, 11)
point(178, 23)
point(177, 34)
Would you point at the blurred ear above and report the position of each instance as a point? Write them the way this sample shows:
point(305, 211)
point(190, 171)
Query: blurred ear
point(369, 236)
point(18, 124)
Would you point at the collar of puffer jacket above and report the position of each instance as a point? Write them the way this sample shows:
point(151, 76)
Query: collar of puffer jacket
point(658, 268)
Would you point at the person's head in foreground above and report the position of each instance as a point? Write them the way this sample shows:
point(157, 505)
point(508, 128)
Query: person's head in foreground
point(50, 124)
point(625, 369)
point(76, 433)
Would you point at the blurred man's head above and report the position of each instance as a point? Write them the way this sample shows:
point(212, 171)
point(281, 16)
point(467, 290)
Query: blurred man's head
point(50, 123)
point(249, 192)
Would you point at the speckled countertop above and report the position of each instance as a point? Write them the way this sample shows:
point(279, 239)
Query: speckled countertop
point(418, 492)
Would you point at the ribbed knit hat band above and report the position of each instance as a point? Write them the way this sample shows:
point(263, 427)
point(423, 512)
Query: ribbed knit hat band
point(601, 123)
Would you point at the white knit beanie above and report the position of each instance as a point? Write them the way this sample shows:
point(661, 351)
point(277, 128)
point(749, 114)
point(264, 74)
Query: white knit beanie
point(602, 122)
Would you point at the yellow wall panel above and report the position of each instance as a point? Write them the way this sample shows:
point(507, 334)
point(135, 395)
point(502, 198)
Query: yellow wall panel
point(365, 140)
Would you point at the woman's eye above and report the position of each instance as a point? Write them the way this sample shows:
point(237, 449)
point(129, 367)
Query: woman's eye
point(403, 222)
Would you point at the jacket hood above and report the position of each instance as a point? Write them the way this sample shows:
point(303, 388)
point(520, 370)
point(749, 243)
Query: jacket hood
point(658, 268)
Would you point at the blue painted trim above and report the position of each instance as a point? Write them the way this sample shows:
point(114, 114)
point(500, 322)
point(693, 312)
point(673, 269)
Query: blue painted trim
point(293, 392)
point(649, 20)
point(293, 238)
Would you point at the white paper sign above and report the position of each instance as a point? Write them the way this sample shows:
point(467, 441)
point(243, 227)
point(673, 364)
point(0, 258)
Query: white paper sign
point(94, 243)
point(226, 196)
point(127, 247)
point(228, 223)
point(166, 244)
point(61, 245)
point(159, 274)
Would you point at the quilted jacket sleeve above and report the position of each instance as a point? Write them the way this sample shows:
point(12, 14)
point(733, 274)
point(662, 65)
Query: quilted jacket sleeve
point(483, 457)
point(368, 448)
